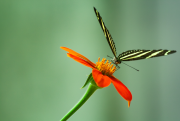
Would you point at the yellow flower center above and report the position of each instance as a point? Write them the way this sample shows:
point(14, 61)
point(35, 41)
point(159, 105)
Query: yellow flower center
point(106, 68)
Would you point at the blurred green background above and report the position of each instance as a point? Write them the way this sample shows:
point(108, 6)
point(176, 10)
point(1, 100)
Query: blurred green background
point(38, 82)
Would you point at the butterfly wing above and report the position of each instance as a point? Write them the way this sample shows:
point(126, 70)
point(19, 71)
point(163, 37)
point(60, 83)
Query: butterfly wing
point(106, 32)
point(143, 54)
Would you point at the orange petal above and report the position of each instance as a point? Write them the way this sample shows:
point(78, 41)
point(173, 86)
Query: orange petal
point(79, 60)
point(122, 90)
point(77, 54)
point(100, 79)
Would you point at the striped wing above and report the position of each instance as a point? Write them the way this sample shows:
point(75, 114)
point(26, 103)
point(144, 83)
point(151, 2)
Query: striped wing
point(106, 32)
point(143, 54)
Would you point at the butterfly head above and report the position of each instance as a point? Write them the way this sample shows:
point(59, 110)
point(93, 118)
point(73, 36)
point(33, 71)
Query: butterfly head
point(116, 61)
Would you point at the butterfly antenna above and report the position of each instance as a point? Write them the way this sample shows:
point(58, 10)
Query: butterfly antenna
point(109, 56)
point(130, 66)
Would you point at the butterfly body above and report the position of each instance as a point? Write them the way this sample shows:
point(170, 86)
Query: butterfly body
point(130, 54)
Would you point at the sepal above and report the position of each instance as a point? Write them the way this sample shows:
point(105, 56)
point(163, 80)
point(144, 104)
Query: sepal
point(88, 80)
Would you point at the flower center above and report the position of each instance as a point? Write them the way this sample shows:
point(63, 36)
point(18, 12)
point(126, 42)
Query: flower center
point(106, 68)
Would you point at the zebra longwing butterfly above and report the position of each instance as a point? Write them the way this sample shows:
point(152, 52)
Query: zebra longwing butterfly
point(130, 54)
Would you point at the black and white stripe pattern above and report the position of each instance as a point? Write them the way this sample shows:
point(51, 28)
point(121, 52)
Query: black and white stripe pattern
point(106, 32)
point(130, 54)
point(143, 54)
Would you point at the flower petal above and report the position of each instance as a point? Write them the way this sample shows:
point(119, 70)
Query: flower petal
point(79, 55)
point(79, 60)
point(122, 90)
point(100, 79)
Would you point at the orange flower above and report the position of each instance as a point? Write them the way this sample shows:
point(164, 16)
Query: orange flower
point(102, 73)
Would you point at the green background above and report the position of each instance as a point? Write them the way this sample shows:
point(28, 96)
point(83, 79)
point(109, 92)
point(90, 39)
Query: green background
point(38, 82)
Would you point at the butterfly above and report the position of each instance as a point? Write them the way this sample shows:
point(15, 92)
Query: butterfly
point(129, 55)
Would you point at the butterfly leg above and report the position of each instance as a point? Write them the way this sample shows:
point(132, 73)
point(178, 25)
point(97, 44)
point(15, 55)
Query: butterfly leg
point(117, 67)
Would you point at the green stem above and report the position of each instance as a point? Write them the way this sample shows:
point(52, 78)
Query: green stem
point(91, 89)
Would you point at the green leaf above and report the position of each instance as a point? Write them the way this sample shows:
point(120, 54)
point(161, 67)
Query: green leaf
point(88, 80)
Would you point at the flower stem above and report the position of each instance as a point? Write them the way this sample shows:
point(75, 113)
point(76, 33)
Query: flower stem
point(91, 89)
